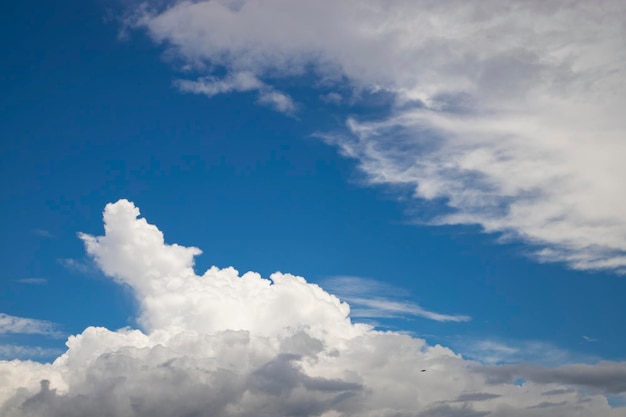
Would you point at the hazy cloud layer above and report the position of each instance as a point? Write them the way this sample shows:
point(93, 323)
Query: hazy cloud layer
point(509, 113)
point(603, 376)
point(224, 344)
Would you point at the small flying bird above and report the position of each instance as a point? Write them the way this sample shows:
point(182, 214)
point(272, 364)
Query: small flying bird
point(423, 370)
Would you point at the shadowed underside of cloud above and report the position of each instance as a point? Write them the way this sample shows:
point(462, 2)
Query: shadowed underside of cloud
point(508, 112)
point(221, 344)
point(605, 376)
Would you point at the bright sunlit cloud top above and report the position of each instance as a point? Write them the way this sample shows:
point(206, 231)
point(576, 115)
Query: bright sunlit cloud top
point(227, 345)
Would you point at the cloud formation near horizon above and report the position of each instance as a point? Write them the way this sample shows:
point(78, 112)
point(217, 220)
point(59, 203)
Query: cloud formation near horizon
point(221, 344)
point(508, 113)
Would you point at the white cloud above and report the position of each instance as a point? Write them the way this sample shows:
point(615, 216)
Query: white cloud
point(239, 82)
point(381, 307)
point(211, 86)
point(508, 112)
point(530, 351)
point(172, 296)
point(373, 299)
point(221, 344)
point(76, 265)
point(278, 101)
point(10, 351)
point(22, 325)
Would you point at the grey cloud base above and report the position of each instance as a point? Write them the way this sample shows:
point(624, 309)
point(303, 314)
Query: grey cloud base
point(221, 344)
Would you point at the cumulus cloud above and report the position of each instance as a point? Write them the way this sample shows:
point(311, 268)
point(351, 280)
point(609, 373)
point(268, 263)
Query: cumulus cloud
point(224, 344)
point(508, 113)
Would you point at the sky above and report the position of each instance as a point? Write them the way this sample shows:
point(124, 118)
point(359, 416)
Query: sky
point(313, 208)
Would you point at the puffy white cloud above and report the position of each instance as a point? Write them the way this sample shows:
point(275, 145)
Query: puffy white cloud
point(172, 296)
point(508, 112)
point(221, 344)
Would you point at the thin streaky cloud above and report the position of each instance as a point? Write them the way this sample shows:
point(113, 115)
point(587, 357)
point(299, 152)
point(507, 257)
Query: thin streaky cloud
point(23, 325)
point(374, 299)
point(43, 233)
point(356, 286)
point(33, 281)
point(76, 265)
point(382, 307)
point(10, 351)
point(496, 352)
point(243, 81)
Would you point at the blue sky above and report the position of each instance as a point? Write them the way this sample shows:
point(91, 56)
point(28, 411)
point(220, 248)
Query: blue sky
point(93, 110)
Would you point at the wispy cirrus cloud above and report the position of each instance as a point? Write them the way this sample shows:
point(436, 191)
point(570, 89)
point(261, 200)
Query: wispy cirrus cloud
point(243, 81)
point(495, 352)
point(374, 299)
point(11, 351)
point(507, 113)
point(21, 325)
point(76, 265)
